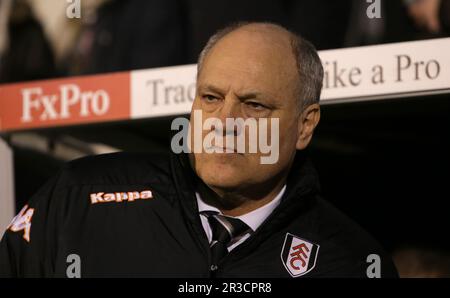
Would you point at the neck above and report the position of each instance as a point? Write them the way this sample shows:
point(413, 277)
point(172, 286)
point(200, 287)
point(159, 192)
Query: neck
point(237, 203)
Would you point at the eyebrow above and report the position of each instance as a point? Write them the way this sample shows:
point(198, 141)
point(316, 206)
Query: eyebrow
point(249, 95)
point(243, 96)
point(212, 88)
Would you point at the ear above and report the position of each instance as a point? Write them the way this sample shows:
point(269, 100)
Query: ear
point(308, 121)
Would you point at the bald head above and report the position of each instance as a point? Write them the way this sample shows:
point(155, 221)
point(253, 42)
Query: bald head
point(267, 43)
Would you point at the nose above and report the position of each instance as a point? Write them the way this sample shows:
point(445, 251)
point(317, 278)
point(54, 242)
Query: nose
point(229, 109)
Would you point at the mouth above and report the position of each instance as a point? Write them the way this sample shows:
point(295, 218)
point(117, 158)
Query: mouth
point(219, 149)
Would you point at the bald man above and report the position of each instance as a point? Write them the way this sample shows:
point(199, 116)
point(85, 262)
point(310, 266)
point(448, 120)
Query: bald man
point(239, 198)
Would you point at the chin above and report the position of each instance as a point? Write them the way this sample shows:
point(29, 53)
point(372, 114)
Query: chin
point(221, 175)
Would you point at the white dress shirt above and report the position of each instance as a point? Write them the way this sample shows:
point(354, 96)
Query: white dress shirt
point(253, 219)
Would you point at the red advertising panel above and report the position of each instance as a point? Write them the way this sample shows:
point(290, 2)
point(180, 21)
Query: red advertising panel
point(75, 100)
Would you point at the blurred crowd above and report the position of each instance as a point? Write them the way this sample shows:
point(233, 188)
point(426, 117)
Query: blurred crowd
point(38, 40)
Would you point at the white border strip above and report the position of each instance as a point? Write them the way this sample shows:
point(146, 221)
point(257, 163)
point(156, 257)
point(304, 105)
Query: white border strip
point(7, 202)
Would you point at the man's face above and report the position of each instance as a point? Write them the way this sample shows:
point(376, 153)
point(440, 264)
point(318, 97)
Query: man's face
point(248, 75)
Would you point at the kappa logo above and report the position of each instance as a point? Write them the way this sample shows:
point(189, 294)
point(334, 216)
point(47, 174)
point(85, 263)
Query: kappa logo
point(22, 222)
point(101, 197)
point(298, 255)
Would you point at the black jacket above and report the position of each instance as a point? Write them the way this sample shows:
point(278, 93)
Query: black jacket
point(136, 215)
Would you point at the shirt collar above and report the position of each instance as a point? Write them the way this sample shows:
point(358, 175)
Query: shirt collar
point(254, 218)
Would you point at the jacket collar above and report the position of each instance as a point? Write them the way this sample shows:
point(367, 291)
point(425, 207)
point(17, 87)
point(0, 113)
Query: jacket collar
point(302, 183)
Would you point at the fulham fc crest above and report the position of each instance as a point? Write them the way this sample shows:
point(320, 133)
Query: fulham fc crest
point(298, 255)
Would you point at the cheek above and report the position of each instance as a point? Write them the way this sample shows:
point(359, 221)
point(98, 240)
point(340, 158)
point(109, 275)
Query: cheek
point(289, 133)
point(284, 133)
point(287, 141)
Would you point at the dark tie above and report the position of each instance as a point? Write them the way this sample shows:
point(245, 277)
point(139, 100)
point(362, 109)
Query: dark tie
point(224, 229)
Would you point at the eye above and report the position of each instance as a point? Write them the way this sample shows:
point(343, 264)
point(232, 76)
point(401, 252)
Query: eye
point(255, 105)
point(210, 98)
